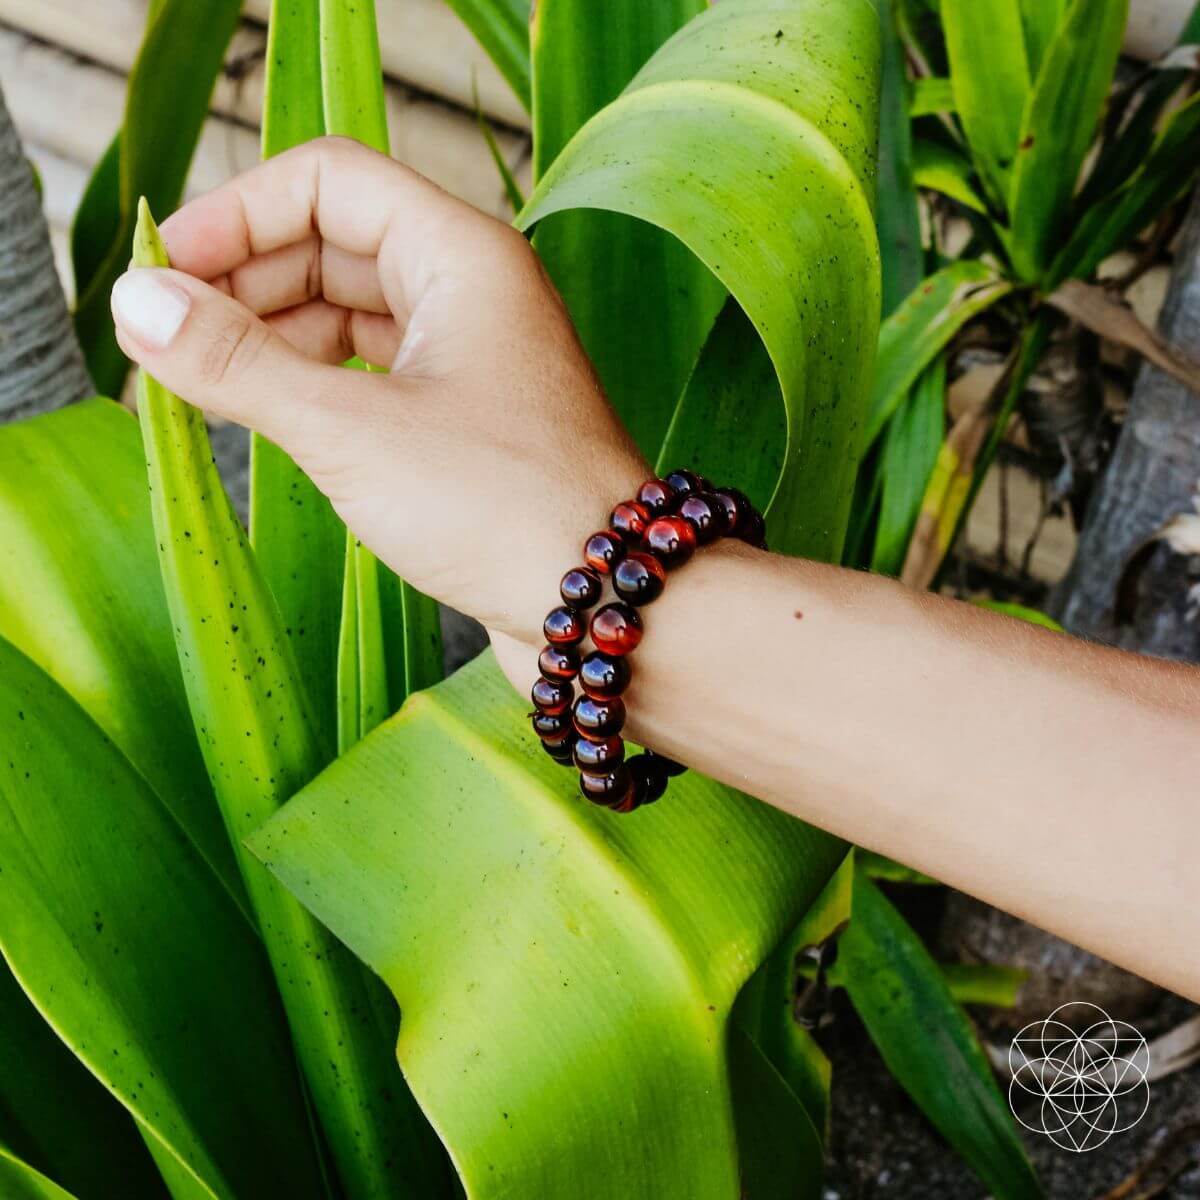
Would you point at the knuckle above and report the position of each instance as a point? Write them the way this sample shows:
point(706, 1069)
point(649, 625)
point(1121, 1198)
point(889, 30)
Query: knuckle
point(234, 347)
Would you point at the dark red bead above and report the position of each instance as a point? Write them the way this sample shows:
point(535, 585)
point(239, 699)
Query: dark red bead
point(559, 662)
point(581, 587)
point(671, 540)
point(551, 725)
point(754, 530)
point(649, 778)
point(598, 755)
point(616, 628)
point(603, 550)
point(598, 719)
point(552, 695)
point(655, 495)
point(611, 787)
point(563, 627)
point(669, 765)
point(603, 676)
point(683, 483)
point(639, 578)
point(561, 749)
point(706, 515)
point(630, 520)
point(727, 498)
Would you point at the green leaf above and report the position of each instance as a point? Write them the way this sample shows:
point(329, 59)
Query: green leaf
point(1021, 613)
point(941, 169)
point(1058, 126)
point(920, 329)
point(1040, 21)
point(928, 1042)
point(19, 1181)
point(526, 933)
point(717, 145)
point(990, 74)
point(511, 188)
point(502, 28)
point(910, 448)
point(80, 594)
point(640, 301)
point(982, 983)
point(260, 745)
point(1113, 221)
point(54, 1115)
point(931, 96)
point(166, 102)
point(122, 937)
point(879, 866)
point(351, 77)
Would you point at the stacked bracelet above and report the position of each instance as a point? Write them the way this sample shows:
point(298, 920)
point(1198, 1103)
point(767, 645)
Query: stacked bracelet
point(646, 537)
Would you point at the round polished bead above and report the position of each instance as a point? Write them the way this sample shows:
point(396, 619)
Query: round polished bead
point(562, 748)
point(608, 788)
point(630, 520)
point(683, 483)
point(603, 550)
point(563, 627)
point(616, 628)
point(754, 530)
point(597, 755)
point(551, 725)
point(552, 695)
point(649, 778)
point(598, 719)
point(671, 540)
point(727, 498)
point(669, 765)
point(559, 662)
point(655, 495)
point(580, 588)
point(706, 515)
point(639, 578)
point(603, 676)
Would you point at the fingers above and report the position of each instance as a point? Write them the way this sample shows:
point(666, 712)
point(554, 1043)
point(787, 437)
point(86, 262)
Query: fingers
point(332, 334)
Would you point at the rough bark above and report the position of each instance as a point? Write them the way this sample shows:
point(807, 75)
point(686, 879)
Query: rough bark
point(41, 366)
point(1129, 586)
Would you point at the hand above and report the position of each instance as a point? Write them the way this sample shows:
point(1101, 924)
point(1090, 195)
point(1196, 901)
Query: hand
point(478, 465)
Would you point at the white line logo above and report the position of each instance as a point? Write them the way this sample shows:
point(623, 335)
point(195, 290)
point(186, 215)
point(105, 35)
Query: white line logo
point(1079, 1076)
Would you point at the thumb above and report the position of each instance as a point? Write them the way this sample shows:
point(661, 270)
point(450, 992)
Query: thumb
point(216, 354)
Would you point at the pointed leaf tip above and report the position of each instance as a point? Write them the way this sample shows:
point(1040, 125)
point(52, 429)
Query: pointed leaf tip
point(148, 248)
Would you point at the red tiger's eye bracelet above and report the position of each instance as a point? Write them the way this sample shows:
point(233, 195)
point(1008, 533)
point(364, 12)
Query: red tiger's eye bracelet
point(648, 536)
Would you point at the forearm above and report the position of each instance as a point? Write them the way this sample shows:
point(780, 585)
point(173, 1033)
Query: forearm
point(1029, 769)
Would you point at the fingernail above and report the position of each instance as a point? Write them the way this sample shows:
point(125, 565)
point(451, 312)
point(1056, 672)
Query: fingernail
point(148, 307)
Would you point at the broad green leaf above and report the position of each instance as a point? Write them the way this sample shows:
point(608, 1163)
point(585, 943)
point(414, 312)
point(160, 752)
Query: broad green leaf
point(931, 96)
point(941, 169)
point(260, 745)
point(166, 102)
point(351, 77)
point(641, 302)
point(879, 866)
point(990, 75)
point(928, 1042)
point(80, 594)
point(718, 145)
point(1022, 613)
point(1058, 126)
point(1114, 220)
point(896, 213)
point(920, 328)
point(983, 983)
point(97, 220)
point(19, 1181)
point(298, 539)
point(910, 448)
point(135, 955)
point(525, 934)
point(502, 28)
point(55, 1116)
point(1040, 21)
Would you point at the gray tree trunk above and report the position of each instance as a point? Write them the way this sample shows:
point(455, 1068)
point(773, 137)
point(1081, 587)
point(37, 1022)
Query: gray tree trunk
point(41, 366)
point(1127, 586)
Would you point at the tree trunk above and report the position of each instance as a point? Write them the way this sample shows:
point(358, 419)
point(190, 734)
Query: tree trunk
point(41, 366)
point(1129, 585)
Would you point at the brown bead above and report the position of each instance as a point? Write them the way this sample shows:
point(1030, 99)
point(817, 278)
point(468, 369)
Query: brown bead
point(737, 508)
point(598, 719)
point(630, 520)
point(559, 662)
point(562, 748)
point(754, 530)
point(580, 588)
point(683, 483)
point(551, 725)
point(671, 540)
point(706, 515)
point(616, 628)
point(603, 676)
point(608, 788)
point(655, 495)
point(603, 550)
point(639, 578)
point(563, 627)
point(597, 755)
point(649, 779)
point(552, 695)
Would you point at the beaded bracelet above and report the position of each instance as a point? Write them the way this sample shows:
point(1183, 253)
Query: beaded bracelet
point(647, 537)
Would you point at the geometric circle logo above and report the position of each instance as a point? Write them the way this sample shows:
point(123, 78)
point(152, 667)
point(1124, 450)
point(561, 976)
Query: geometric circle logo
point(1078, 1076)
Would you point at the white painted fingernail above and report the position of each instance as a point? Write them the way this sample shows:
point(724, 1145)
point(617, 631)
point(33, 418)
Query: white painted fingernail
point(149, 308)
